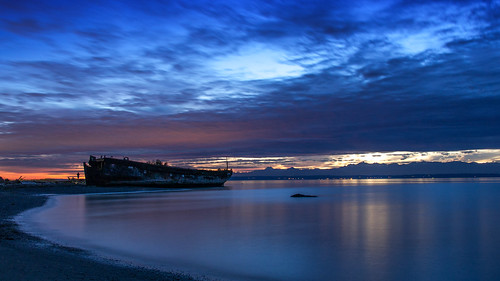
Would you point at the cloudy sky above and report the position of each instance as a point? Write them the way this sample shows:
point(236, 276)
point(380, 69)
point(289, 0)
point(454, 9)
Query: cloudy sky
point(262, 82)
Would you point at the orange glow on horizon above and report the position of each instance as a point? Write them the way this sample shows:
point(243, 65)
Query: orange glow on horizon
point(38, 175)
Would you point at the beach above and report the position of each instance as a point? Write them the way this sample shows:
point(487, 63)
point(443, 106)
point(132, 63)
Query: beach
point(26, 257)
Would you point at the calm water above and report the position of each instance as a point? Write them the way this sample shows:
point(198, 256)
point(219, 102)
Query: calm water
point(254, 230)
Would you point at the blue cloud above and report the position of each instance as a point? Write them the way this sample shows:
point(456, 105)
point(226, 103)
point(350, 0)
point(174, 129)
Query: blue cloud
point(252, 78)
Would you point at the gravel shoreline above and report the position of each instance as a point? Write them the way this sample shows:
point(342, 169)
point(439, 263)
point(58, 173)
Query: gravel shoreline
point(26, 257)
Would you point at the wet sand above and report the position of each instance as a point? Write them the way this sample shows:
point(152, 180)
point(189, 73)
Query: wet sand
point(25, 257)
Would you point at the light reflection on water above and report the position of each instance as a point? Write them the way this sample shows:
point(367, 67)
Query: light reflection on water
point(253, 230)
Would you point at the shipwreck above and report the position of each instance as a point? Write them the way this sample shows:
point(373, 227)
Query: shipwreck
point(109, 171)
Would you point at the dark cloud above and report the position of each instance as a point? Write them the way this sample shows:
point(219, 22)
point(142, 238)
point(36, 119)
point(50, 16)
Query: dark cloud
point(24, 26)
point(320, 126)
point(32, 18)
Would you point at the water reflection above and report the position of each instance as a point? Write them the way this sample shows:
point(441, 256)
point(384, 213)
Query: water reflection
point(398, 231)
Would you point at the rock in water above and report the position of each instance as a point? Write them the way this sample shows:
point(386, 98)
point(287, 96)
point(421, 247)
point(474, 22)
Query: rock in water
point(302, 195)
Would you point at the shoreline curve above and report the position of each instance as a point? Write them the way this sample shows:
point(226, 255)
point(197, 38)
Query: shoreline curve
point(24, 256)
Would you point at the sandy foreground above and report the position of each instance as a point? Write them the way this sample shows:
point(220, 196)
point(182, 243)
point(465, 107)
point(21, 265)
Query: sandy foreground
point(25, 257)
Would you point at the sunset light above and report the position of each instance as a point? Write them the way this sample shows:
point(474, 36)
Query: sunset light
point(250, 140)
point(247, 164)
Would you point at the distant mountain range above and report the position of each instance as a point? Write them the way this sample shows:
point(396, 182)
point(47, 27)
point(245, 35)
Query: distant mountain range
point(363, 170)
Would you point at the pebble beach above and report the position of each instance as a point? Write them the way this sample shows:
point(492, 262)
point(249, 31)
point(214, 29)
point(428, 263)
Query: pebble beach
point(26, 257)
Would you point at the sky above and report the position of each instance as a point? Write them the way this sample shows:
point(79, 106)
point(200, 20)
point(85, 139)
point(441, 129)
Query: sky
point(264, 83)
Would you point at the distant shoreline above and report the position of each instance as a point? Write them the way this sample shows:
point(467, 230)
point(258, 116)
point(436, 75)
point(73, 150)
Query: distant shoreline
point(326, 177)
point(364, 170)
point(26, 257)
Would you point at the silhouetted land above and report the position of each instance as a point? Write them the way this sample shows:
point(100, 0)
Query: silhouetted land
point(365, 171)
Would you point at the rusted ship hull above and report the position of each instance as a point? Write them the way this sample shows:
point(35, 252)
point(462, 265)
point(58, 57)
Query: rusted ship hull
point(107, 171)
